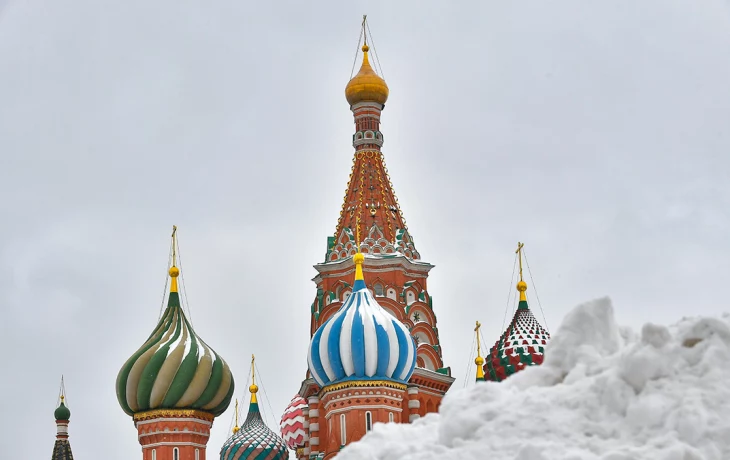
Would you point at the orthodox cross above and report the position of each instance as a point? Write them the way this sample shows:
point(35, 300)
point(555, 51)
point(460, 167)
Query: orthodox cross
point(479, 342)
point(519, 254)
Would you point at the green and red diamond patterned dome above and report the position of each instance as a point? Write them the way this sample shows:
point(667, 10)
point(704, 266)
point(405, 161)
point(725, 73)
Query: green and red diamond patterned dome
point(522, 344)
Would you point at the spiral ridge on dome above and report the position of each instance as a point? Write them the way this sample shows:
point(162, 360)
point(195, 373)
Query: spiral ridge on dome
point(174, 368)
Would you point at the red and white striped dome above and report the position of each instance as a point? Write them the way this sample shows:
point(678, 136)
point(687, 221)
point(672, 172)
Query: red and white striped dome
point(292, 423)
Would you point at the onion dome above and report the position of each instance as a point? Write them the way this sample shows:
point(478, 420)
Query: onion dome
point(522, 344)
point(366, 86)
point(175, 368)
point(292, 423)
point(361, 341)
point(62, 412)
point(254, 440)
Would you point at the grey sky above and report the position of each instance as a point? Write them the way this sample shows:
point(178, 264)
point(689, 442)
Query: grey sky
point(595, 132)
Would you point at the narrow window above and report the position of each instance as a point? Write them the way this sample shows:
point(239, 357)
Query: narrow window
point(154, 454)
point(343, 430)
point(175, 453)
point(390, 417)
point(197, 454)
point(368, 421)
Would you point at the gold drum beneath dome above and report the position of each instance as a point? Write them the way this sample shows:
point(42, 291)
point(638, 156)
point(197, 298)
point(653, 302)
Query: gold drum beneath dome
point(366, 86)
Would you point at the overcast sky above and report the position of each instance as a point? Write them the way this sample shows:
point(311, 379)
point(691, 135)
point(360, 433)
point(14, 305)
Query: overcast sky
point(595, 132)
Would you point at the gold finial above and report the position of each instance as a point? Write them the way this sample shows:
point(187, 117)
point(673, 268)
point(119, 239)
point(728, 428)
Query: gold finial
point(521, 285)
point(236, 428)
point(358, 258)
point(479, 361)
point(253, 388)
point(174, 271)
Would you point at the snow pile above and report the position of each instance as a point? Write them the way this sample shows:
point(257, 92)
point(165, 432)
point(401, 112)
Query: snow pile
point(603, 392)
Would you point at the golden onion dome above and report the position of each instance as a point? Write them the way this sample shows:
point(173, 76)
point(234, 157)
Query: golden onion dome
point(366, 86)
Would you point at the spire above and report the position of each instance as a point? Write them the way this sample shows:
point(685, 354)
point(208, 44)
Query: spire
point(479, 361)
point(253, 388)
point(236, 427)
point(370, 205)
point(521, 285)
point(174, 271)
point(62, 448)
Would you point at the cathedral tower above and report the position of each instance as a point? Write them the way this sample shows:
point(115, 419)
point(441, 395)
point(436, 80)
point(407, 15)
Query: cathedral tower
point(174, 385)
point(371, 225)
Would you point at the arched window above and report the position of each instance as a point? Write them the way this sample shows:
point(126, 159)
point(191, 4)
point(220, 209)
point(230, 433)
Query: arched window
point(175, 453)
point(343, 430)
point(410, 297)
point(391, 294)
point(346, 295)
point(368, 421)
point(154, 454)
point(378, 289)
point(197, 454)
point(390, 417)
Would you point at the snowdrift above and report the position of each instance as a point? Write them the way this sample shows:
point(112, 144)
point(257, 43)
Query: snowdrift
point(604, 392)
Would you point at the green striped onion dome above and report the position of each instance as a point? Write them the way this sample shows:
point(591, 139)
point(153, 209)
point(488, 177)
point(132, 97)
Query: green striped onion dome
point(254, 440)
point(175, 369)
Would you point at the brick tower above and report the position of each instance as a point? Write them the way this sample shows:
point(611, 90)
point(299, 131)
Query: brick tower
point(371, 223)
point(174, 385)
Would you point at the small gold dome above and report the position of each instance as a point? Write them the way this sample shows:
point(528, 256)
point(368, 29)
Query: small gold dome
point(479, 361)
point(253, 388)
point(521, 286)
point(174, 272)
point(366, 86)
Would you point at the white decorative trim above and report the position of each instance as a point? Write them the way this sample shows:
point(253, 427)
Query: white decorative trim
point(314, 427)
point(414, 404)
point(313, 413)
point(413, 417)
point(314, 441)
point(432, 393)
point(171, 443)
point(153, 433)
point(370, 104)
point(360, 407)
point(412, 390)
point(338, 399)
point(158, 420)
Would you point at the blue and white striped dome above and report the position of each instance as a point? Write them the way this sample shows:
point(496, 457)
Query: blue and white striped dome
point(362, 341)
